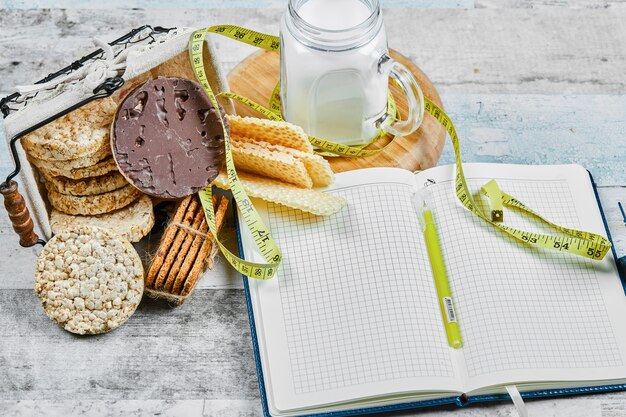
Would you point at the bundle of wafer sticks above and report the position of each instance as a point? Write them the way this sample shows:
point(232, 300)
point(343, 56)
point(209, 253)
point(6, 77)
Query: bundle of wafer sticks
point(186, 250)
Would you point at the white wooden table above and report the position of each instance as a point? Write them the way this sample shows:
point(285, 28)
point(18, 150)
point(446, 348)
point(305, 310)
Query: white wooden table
point(526, 81)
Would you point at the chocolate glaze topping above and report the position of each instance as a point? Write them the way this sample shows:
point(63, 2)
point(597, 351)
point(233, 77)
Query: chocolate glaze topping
point(167, 138)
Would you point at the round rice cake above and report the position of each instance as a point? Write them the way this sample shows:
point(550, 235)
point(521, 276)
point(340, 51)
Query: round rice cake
point(89, 280)
point(77, 134)
point(131, 222)
point(99, 169)
point(93, 204)
point(85, 161)
point(111, 181)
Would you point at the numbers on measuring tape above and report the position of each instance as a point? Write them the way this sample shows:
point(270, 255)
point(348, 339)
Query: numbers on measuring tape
point(588, 245)
point(260, 40)
point(262, 238)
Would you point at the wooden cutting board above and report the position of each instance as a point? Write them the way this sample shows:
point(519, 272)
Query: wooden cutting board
point(256, 76)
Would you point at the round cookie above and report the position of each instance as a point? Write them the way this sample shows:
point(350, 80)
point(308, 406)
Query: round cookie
point(87, 186)
point(101, 168)
point(79, 133)
point(131, 222)
point(89, 280)
point(167, 138)
point(93, 204)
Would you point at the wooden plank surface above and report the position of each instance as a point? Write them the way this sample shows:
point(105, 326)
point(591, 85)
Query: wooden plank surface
point(518, 78)
point(521, 51)
point(211, 4)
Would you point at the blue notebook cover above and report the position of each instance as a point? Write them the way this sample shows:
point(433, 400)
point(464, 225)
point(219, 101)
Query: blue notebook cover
point(460, 401)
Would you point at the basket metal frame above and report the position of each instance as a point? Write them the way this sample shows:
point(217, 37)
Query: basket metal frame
point(106, 89)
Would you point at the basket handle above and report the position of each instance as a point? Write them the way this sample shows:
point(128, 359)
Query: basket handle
point(19, 214)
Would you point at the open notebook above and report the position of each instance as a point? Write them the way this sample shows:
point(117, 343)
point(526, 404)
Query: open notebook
point(351, 321)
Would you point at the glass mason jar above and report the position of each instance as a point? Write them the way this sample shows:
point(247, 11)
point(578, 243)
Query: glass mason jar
point(334, 72)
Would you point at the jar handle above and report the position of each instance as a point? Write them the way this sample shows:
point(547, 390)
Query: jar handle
point(409, 85)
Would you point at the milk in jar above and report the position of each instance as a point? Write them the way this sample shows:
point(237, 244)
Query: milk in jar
point(332, 84)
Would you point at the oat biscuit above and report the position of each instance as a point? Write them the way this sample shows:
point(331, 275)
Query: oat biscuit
point(93, 204)
point(276, 133)
point(179, 275)
point(78, 134)
point(89, 280)
point(166, 242)
point(87, 186)
point(196, 239)
point(188, 219)
point(206, 252)
point(309, 200)
point(131, 222)
point(196, 226)
point(184, 250)
point(97, 170)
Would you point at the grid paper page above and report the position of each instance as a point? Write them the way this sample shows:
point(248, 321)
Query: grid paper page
point(520, 307)
point(357, 310)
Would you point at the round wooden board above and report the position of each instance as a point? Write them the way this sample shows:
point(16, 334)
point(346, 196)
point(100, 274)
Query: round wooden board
point(256, 76)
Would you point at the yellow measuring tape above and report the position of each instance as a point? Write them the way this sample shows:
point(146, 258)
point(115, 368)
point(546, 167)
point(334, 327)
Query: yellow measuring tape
point(260, 40)
point(577, 242)
point(589, 245)
point(262, 238)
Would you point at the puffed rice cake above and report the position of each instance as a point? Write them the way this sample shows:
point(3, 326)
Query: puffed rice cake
point(78, 134)
point(89, 280)
point(111, 181)
point(103, 167)
point(131, 222)
point(93, 204)
point(85, 161)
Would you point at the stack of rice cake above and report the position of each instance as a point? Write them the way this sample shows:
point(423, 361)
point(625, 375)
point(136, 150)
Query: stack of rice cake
point(73, 157)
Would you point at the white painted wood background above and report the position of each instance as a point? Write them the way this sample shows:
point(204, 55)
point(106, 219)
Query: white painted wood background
point(526, 81)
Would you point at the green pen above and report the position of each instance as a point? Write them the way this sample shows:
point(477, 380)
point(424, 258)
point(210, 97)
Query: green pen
point(438, 267)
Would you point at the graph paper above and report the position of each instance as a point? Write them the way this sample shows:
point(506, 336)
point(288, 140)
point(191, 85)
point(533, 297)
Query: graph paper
point(352, 316)
point(520, 307)
point(358, 310)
